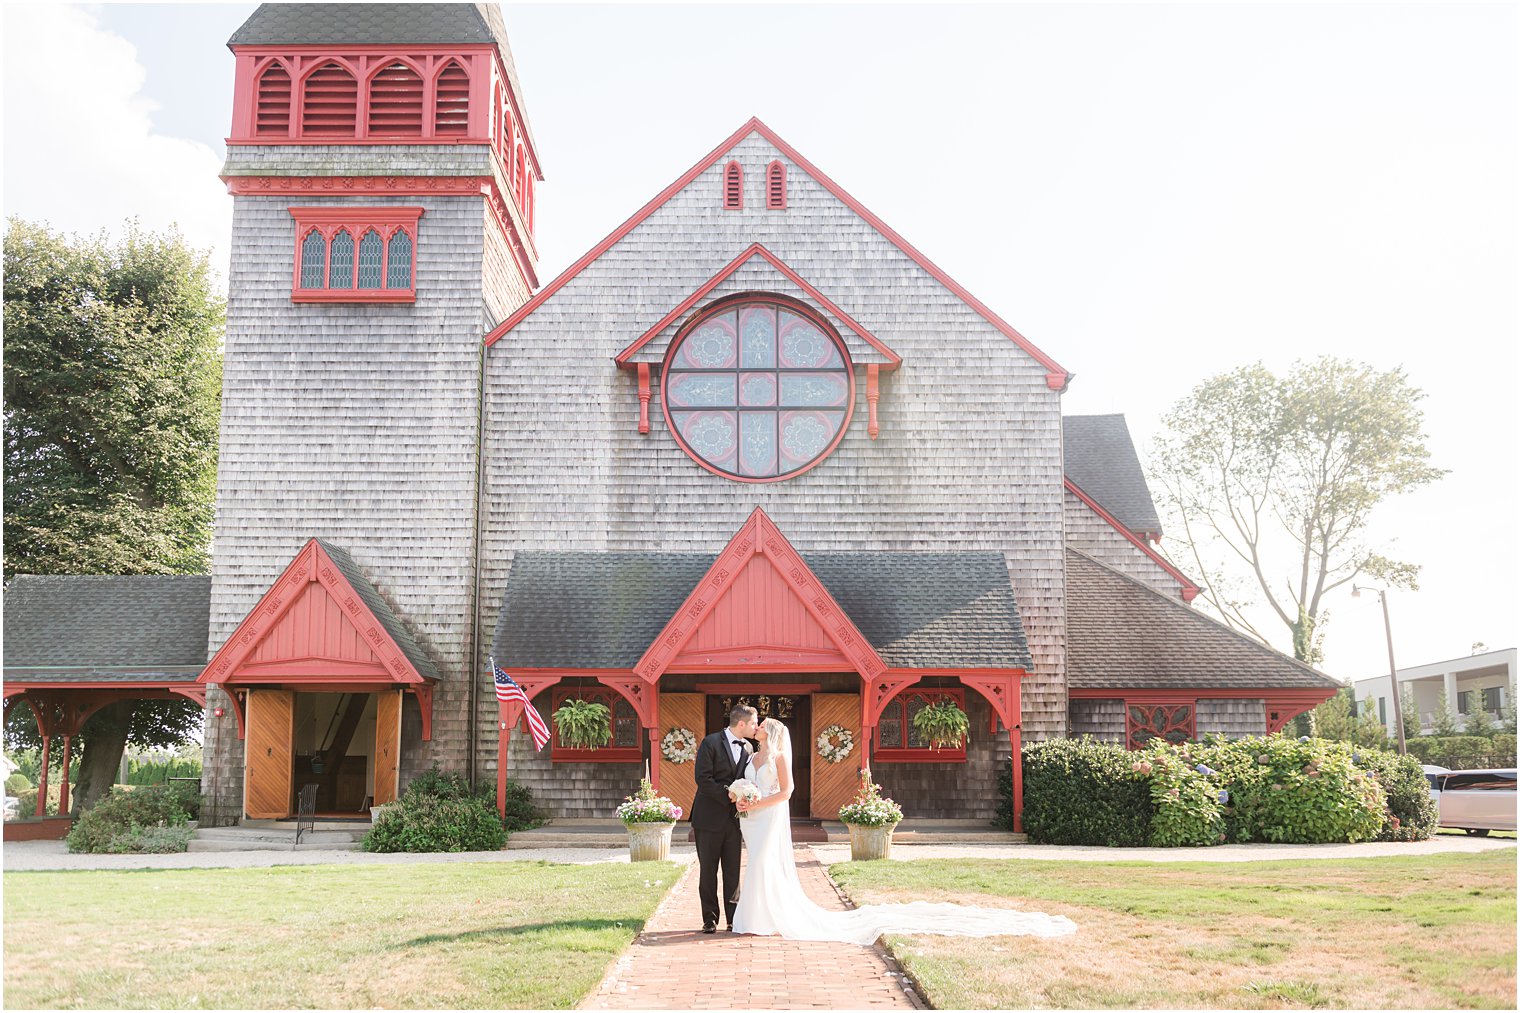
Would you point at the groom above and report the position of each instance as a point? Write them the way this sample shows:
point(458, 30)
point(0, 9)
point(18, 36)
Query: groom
point(714, 818)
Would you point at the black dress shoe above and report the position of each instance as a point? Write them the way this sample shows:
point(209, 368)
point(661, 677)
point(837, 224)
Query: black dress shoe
point(709, 928)
point(728, 928)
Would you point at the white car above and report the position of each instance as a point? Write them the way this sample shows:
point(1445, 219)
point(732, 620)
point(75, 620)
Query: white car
point(1478, 800)
point(12, 807)
point(1434, 774)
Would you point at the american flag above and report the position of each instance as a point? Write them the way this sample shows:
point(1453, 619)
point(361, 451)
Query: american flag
point(508, 691)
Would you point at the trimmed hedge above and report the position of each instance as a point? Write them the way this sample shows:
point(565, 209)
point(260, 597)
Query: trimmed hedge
point(1265, 788)
point(1464, 752)
point(1080, 791)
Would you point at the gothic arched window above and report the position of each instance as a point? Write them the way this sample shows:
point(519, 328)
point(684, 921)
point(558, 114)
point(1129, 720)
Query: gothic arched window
point(314, 260)
point(758, 389)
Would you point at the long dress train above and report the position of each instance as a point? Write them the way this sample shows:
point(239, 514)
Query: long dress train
point(772, 901)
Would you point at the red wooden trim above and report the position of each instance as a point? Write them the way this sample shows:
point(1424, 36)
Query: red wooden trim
point(773, 688)
point(733, 186)
point(999, 690)
point(424, 693)
point(752, 251)
point(873, 395)
point(626, 754)
point(759, 536)
point(775, 185)
point(310, 565)
point(765, 658)
point(367, 295)
point(376, 217)
point(518, 674)
point(14, 687)
point(1282, 708)
point(644, 394)
point(1057, 377)
point(878, 692)
point(907, 754)
point(561, 753)
point(644, 698)
point(916, 755)
point(1189, 589)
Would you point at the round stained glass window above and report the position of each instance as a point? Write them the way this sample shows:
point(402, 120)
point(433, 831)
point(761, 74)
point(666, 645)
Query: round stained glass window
point(758, 389)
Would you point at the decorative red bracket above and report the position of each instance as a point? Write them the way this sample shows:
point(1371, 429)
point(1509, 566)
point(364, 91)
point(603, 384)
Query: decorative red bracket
point(873, 394)
point(532, 685)
point(424, 694)
point(643, 398)
point(1001, 690)
point(642, 695)
point(878, 692)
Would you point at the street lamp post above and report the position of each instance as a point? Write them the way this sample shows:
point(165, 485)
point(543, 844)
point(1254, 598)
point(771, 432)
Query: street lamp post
point(1393, 671)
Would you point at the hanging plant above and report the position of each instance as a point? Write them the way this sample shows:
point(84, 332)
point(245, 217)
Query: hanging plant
point(583, 724)
point(943, 724)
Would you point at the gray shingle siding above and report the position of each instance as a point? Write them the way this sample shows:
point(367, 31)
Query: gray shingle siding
point(1090, 533)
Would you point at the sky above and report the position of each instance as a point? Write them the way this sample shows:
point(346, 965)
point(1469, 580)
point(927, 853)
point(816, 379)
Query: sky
point(1152, 194)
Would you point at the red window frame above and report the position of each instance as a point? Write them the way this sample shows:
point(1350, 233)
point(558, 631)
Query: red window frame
point(357, 221)
point(607, 754)
point(897, 711)
point(775, 186)
point(733, 187)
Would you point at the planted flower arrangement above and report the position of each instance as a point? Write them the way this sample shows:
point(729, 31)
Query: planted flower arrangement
point(649, 818)
point(871, 818)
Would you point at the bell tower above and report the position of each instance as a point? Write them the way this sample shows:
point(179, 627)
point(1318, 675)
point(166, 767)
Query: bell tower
point(383, 175)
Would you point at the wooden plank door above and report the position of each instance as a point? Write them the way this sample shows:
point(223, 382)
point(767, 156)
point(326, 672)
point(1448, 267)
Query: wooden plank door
point(387, 745)
point(678, 780)
point(269, 757)
point(834, 784)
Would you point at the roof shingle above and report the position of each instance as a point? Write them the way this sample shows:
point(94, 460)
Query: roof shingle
point(1120, 634)
point(101, 623)
point(1100, 458)
point(918, 609)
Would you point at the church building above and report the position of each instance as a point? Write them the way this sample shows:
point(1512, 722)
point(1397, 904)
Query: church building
point(752, 446)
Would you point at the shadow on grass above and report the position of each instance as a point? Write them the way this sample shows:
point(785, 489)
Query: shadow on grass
point(508, 931)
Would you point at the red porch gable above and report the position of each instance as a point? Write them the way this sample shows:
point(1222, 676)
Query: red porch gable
point(759, 606)
point(312, 624)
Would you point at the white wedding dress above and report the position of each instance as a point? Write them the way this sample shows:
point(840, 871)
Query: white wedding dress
point(772, 902)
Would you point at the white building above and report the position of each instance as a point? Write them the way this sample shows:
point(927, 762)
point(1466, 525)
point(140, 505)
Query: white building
point(1480, 681)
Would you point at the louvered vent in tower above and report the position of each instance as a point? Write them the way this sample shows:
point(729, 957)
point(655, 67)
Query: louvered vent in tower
point(272, 118)
point(775, 185)
point(395, 102)
point(329, 103)
point(451, 116)
point(733, 186)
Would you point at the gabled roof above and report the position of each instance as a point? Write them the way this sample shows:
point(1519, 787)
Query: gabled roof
point(1121, 634)
point(1100, 457)
point(412, 24)
point(107, 628)
point(647, 343)
point(598, 610)
point(336, 628)
point(1189, 589)
point(1056, 376)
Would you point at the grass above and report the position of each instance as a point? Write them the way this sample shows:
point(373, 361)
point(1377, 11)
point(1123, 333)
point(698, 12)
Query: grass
point(497, 935)
point(1414, 932)
point(1496, 834)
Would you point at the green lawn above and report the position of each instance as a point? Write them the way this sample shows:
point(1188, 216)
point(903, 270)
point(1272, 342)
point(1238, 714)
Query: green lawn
point(491, 935)
point(1379, 933)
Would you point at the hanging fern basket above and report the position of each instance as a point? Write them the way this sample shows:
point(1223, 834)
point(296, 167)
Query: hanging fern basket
point(583, 724)
point(943, 725)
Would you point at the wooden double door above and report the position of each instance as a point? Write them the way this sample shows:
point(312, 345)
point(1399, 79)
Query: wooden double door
point(269, 772)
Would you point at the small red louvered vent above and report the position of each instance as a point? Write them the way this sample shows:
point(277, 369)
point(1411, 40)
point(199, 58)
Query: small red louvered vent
point(733, 186)
point(330, 103)
point(272, 117)
point(451, 114)
point(775, 185)
point(395, 102)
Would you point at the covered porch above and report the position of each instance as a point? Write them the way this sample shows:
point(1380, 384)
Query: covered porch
point(843, 648)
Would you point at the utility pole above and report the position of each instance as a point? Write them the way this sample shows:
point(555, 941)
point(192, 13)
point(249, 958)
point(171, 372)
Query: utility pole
point(1393, 671)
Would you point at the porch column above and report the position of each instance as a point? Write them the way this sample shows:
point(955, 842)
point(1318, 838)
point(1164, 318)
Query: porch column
point(1449, 682)
point(63, 789)
point(653, 766)
point(501, 768)
point(1016, 740)
point(42, 779)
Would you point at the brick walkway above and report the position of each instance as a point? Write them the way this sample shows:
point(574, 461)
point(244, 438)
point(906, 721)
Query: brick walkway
point(672, 964)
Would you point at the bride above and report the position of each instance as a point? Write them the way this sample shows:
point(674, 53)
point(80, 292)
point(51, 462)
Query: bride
point(772, 902)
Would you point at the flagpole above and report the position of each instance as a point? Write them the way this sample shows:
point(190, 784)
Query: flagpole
point(502, 738)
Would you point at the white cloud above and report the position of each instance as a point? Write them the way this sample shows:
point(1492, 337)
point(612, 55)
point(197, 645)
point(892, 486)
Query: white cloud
point(80, 149)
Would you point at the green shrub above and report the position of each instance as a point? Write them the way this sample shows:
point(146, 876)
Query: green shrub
point(123, 814)
point(521, 813)
point(144, 771)
point(440, 812)
point(1296, 791)
point(1412, 815)
point(17, 783)
point(152, 841)
point(1460, 752)
point(26, 801)
point(1187, 802)
point(1504, 745)
point(1082, 791)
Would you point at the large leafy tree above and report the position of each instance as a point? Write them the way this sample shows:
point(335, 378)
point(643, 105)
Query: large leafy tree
point(112, 399)
point(1269, 483)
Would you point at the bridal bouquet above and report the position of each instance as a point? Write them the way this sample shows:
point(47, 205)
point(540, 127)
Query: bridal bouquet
point(744, 790)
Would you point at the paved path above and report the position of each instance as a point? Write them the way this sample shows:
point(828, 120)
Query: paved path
point(32, 856)
point(672, 964)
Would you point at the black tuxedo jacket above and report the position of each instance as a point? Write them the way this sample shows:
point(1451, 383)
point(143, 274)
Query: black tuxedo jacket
point(716, 770)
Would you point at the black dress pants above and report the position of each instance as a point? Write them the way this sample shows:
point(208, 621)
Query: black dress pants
point(715, 847)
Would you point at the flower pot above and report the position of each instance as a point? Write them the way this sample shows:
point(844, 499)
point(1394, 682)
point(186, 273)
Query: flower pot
point(867, 843)
point(649, 842)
